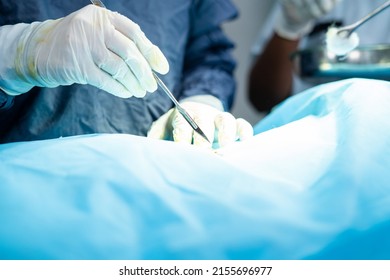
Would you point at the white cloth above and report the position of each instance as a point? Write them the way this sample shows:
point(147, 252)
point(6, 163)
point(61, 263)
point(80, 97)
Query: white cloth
point(375, 31)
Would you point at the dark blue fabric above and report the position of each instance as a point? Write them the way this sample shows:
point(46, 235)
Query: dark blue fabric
point(188, 33)
point(5, 100)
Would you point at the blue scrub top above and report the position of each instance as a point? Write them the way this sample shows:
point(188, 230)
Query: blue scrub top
point(188, 33)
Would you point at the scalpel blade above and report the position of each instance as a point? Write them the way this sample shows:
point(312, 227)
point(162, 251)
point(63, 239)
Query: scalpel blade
point(181, 110)
point(98, 3)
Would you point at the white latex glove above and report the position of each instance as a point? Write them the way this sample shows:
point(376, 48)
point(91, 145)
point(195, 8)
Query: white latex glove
point(296, 17)
point(220, 127)
point(90, 46)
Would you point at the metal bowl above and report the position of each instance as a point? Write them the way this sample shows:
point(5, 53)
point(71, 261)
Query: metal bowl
point(319, 65)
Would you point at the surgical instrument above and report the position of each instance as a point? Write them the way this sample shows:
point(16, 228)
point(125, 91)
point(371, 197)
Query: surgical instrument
point(349, 29)
point(181, 110)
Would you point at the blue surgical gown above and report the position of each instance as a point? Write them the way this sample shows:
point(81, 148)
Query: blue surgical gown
point(188, 33)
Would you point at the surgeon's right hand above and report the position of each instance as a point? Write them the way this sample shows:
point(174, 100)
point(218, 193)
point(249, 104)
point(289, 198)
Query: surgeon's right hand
point(90, 46)
point(296, 17)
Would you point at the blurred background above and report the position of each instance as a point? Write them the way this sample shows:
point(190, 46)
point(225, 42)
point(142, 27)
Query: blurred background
point(243, 31)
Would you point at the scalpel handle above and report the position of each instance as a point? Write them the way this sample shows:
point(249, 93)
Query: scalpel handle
point(181, 110)
point(98, 3)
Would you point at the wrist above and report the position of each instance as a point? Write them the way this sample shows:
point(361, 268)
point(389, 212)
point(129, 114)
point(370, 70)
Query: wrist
point(292, 30)
point(13, 81)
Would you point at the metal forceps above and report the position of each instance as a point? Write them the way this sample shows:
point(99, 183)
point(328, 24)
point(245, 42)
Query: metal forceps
point(181, 110)
point(352, 27)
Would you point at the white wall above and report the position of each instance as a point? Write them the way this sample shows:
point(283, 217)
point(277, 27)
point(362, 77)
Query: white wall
point(243, 31)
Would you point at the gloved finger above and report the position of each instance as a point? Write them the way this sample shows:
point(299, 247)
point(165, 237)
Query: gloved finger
point(118, 69)
point(225, 124)
point(326, 5)
point(153, 55)
point(208, 127)
point(244, 129)
point(106, 82)
point(128, 51)
point(160, 128)
point(313, 7)
point(181, 130)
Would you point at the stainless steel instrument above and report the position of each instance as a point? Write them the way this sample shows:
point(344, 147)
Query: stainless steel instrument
point(347, 30)
point(98, 3)
point(181, 110)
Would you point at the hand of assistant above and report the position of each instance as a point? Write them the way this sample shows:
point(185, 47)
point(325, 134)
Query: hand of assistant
point(90, 46)
point(296, 17)
point(220, 127)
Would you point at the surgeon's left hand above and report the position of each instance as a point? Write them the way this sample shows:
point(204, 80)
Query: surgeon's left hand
point(220, 127)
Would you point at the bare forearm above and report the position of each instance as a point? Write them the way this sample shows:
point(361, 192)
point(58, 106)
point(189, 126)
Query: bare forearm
point(270, 80)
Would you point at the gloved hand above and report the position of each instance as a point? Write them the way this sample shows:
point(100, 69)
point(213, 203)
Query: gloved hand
point(90, 46)
point(220, 127)
point(296, 17)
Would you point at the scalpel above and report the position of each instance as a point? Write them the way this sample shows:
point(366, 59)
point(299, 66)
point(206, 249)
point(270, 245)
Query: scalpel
point(181, 110)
